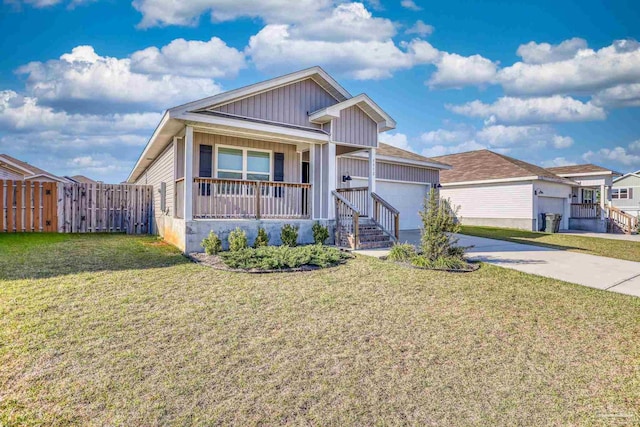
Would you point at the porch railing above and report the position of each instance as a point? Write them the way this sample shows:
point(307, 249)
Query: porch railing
point(358, 197)
point(386, 216)
point(586, 210)
point(216, 198)
point(347, 222)
point(621, 220)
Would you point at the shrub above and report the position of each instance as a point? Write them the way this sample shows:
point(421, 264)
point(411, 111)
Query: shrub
point(442, 263)
point(289, 235)
point(212, 244)
point(262, 239)
point(320, 233)
point(281, 257)
point(439, 226)
point(237, 240)
point(402, 252)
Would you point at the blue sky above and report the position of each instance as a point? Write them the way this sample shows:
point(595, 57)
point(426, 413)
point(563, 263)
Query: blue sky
point(83, 83)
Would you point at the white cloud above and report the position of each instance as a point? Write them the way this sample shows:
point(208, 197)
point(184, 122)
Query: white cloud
point(420, 28)
point(84, 78)
point(411, 5)
point(456, 71)
point(399, 140)
point(627, 95)
point(585, 72)
point(541, 53)
point(619, 155)
point(562, 141)
point(194, 58)
point(38, 4)
point(557, 161)
point(171, 12)
point(275, 48)
point(510, 110)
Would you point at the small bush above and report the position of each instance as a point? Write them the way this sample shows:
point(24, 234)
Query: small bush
point(262, 239)
point(320, 233)
point(281, 257)
point(402, 252)
point(289, 235)
point(212, 244)
point(237, 240)
point(439, 227)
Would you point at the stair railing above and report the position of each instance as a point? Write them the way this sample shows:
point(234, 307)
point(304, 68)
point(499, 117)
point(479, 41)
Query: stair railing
point(386, 217)
point(628, 223)
point(347, 217)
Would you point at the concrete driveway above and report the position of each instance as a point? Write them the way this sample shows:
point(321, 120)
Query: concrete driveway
point(588, 270)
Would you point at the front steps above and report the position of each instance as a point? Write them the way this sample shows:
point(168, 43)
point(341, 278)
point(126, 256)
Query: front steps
point(370, 235)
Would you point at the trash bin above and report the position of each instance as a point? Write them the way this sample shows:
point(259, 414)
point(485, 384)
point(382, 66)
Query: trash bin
point(542, 224)
point(552, 222)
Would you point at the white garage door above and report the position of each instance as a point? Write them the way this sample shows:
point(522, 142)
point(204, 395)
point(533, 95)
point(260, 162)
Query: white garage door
point(553, 205)
point(406, 197)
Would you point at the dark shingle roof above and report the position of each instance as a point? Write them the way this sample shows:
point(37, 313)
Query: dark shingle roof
point(391, 151)
point(576, 169)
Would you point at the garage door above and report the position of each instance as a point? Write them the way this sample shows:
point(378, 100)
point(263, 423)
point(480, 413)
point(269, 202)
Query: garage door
point(552, 205)
point(405, 197)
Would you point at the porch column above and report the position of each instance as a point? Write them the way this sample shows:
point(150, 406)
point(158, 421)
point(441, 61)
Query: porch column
point(603, 196)
point(331, 179)
point(372, 178)
point(188, 174)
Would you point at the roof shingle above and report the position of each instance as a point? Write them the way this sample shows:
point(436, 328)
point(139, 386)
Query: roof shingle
point(391, 151)
point(576, 169)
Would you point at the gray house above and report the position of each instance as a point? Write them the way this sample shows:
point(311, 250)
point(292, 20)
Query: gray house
point(625, 193)
point(294, 149)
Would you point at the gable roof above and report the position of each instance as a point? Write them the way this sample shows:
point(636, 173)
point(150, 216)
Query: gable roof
point(377, 114)
point(484, 165)
point(81, 179)
point(389, 153)
point(626, 175)
point(29, 170)
point(173, 119)
point(577, 170)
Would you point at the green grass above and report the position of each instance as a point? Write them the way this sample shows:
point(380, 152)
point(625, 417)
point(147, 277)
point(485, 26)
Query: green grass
point(119, 330)
point(621, 249)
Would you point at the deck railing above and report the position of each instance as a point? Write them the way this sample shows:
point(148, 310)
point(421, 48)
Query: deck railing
point(215, 198)
point(347, 222)
point(358, 197)
point(621, 220)
point(585, 210)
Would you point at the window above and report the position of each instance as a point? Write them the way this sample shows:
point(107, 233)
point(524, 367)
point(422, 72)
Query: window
point(243, 163)
point(588, 196)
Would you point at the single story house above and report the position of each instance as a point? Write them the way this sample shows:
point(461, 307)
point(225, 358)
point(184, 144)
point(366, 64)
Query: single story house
point(492, 189)
point(625, 193)
point(17, 170)
point(81, 179)
point(295, 149)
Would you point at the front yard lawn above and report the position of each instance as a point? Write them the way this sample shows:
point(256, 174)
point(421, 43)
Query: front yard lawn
point(621, 249)
point(122, 330)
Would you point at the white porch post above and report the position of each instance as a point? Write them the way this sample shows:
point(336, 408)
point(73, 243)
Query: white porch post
point(372, 178)
point(188, 174)
point(603, 196)
point(331, 179)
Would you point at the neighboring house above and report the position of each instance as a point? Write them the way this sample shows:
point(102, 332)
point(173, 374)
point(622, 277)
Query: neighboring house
point(81, 179)
point(496, 190)
point(595, 182)
point(14, 169)
point(277, 152)
point(625, 193)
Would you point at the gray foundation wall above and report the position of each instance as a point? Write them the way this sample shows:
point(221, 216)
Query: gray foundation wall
point(520, 223)
point(593, 225)
point(197, 230)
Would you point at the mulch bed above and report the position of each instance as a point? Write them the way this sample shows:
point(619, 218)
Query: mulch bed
point(217, 263)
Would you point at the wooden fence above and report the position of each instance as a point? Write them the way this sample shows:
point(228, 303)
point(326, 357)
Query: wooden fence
point(31, 206)
point(28, 206)
point(105, 208)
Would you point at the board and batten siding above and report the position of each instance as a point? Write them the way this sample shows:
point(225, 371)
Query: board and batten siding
point(289, 104)
point(491, 201)
point(354, 126)
point(292, 160)
point(161, 170)
point(391, 171)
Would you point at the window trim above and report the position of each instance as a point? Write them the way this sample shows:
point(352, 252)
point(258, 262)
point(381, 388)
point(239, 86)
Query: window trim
point(616, 193)
point(244, 170)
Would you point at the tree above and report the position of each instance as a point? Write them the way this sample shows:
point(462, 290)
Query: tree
point(439, 226)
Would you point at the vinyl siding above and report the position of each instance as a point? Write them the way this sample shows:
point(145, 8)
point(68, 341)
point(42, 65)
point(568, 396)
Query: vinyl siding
point(391, 171)
point(492, 201)
point(355, 127)
point(9, 174)
point(161, 170)
point(292, 171)
point(289, 104)
point(631, 205)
